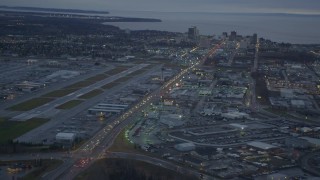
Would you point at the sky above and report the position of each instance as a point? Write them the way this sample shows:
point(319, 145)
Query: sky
point(226, 6)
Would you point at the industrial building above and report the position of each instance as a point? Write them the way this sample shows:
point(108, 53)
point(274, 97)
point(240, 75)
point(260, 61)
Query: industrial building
point(65, 138)
point(238, 126)
point(297, 143)
point(261, 145)
point(235, 115)
point(171, 120)
point(277, 176)
point(314, 141)
point(104, 108)
point(27, 86)
point(185, 147)
point(64, 74)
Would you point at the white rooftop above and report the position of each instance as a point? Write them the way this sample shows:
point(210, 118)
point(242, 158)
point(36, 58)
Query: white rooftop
point(297, 102)
point(241, 126)
point(312, 140)
point(65, 135)
point(261, 145)
point(305, 129)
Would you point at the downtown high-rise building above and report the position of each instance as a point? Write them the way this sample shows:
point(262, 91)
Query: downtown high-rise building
point(193, 33)
point(233, 36)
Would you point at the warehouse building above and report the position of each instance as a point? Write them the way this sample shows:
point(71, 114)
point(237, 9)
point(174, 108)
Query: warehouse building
point(104, 108)
point(261, 145)
point(185, 147)
point(66, 139)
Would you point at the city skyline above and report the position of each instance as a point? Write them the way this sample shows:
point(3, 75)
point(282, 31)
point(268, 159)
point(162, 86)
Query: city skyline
point(226, 6)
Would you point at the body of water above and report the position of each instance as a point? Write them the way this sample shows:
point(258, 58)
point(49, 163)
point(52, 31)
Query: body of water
point(302, 29)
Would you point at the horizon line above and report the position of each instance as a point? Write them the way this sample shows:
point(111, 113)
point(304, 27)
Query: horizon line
point(203, 12)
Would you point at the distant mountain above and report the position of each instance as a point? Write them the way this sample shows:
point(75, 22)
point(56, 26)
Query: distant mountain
point(54, 10)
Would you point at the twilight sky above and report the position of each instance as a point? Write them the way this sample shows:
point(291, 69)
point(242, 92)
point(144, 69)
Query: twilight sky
point(250, 6)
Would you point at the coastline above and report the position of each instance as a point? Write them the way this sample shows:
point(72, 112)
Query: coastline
point(295, 29)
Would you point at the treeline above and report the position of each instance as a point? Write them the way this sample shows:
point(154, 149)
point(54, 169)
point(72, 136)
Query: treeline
point(27, 24)
point(122, 169)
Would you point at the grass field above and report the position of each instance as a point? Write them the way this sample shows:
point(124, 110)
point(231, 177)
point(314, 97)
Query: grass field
point(123, 79)
point(47, 166)
point(98, 77)
point(109, 85)
point(117, 70)
point(120, 169)
point(91, 94)
point(80, 84)
point(138, 72)
point(12, 129)
point(60, 93)
point(122, 144)
point(30, 104)
point(69, 104)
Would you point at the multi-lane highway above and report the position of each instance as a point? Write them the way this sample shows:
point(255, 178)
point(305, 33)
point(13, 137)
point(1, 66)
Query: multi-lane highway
point(160, 162)
point(98, 144)
point(256, 57)
point(96, 147)
point(305, 163)
point(233, 54)
point(252, 87)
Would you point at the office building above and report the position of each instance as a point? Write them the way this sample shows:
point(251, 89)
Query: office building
point(193, 33)
point(233, 36)
point(254, 39)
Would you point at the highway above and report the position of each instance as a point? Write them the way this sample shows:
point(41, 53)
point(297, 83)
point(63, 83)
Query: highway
point(252, 86)
point(107, 134)
point(98, 144)
point(233, 54)
point(159, 162)
point(95, 147)
point(256, 57)
point(306, 165)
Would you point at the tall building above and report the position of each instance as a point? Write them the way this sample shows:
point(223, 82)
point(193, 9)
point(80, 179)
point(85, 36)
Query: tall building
point(254, 39)
point(224, 35)
point(233, 36)
point(193, 33)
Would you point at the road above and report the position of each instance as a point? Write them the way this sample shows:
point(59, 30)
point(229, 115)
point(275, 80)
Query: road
point(256, 57)
point(203, 98)
point(95, 147)
point(233, 54)
point(98, 144)
point(252, 87)
point(159, 162)
point(225, 145)
point(253, 97)
point(306, 165)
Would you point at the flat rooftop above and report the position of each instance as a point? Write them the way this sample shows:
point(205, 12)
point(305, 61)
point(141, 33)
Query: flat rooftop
point(261, 145)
